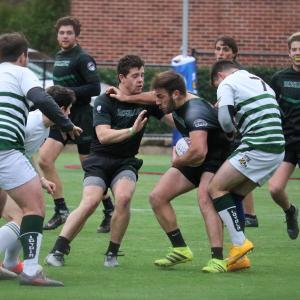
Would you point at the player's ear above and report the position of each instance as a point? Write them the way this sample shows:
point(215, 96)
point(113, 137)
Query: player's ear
point(175, 94)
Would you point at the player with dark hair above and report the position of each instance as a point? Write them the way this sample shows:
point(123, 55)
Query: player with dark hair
point(118, 130)
point(247, 104)
point(18, 88)
point(77, 70)
point(197, 119)
point(226, 48)
point(286, 84)
point(36, 132)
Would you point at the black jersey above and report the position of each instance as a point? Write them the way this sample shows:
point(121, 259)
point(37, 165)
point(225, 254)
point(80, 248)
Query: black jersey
point(77, 70)
point(119, 115)
point(286, 84)
point(198, 114)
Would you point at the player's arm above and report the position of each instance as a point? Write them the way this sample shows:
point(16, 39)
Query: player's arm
point(197, 151)
point(46, 184)
point(108, 135)
point(46, 104)
point(87, 69)
point(142, 98)
point(226, 110)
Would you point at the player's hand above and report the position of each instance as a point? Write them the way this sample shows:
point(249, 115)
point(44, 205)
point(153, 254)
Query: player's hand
point(140, 121)
point(115, 93)
point(76, 131)
point(48, 185)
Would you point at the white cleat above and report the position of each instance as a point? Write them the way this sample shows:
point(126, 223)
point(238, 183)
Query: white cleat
point(55, 259)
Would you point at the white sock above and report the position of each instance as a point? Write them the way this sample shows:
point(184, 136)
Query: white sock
point(12, 253)
point(31, 265)
point(229, 218)
point(9, 233)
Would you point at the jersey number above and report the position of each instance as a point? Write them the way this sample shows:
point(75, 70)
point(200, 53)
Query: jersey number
point(262, 82)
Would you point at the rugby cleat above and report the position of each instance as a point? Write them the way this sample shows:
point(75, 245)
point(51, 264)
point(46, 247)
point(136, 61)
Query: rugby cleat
point(215, 265)
point(237, 252)
point(110, 260)
point(104, 227)
point(292, 224)
point(5, 274)
point(18, 268)
point(177, 256)
point(251, 221)
point(241, 264)
point(55, 259)
point(39, 279)
point(59, 218)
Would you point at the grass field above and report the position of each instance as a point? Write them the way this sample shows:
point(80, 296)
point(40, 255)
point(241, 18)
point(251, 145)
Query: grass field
point(275, 271)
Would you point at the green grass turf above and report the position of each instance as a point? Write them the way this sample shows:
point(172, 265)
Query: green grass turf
point(274, 274)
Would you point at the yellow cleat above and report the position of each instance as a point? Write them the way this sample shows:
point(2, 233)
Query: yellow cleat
point(241, 264)
point(237, 252)
point(177, 256)
point(215, 266)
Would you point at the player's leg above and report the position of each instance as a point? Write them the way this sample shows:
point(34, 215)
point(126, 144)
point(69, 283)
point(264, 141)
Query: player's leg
point(277, 185)
point(92, 194)
point(160, 199)
point(123, 187)
point(226, 180)
point(48, 154)
point(104, 227)
point(29, 197)
point(9, 236)
point(250, 216)
point(213, 225)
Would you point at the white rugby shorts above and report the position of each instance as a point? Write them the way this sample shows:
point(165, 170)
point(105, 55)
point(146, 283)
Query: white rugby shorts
point(256, 165)
point(15, 169)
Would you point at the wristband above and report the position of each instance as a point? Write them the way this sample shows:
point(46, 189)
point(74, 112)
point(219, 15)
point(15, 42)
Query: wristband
point(131, 131)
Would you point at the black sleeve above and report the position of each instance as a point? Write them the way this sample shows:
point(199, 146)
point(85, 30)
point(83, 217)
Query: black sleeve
point(153, 110)
point(87, 90)
point(87, 69)
point(45, 103)
point(274, 85)
point(102, 110)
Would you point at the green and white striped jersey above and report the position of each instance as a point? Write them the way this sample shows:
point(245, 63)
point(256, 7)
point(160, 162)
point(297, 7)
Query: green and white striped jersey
point(257, 113)
point(15, 82)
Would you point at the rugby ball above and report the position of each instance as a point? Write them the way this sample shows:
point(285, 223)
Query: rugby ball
point(182, 146)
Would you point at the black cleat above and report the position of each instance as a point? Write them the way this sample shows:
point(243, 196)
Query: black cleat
point(57, 219)
point(251, 221)
point(292, 224)
point(104, 227)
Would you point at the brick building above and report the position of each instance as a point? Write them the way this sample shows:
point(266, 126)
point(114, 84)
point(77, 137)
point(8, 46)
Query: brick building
point(153, 28)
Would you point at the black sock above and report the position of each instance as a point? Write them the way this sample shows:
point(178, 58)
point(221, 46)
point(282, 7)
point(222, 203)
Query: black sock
point(113, 248)
point(250, 216)
point(60, 204)
point(62, 245)
point(217, 252)
point(176, 238)
point(291, 210)
point(108, 205)
point(30, 229)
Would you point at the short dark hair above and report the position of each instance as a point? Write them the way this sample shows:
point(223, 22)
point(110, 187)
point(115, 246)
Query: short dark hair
point(63, 96)
point(68, 20)
point(229, 42)
point(12, 45)
point(220, 66)
point(128, 62)
point(170, 81)
point(295, 37)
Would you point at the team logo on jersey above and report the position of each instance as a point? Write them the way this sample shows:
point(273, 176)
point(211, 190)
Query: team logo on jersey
point(200, 123)
point(98, 108)
point(244, 161)
point(91, 66)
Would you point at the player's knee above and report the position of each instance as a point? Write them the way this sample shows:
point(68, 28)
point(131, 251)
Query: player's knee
point(155, 200)
point(89, 205)
point(274, 189)
point(123, 201)
point(45, 163)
